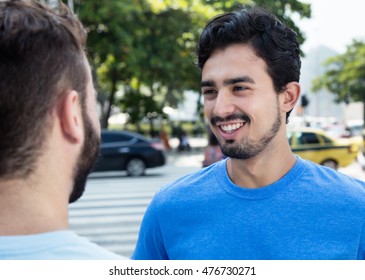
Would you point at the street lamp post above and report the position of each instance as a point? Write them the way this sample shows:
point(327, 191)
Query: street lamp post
point(55, 3)
point(70, 3)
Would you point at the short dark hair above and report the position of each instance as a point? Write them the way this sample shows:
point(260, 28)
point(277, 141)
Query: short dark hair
point(270, 39)
point(41, 57)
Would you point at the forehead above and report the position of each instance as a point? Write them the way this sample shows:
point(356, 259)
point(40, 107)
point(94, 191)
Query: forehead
point(234, 61)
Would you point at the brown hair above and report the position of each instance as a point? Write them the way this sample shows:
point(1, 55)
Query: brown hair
point(41, 57)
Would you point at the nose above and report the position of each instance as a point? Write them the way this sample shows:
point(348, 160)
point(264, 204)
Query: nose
point(224, 104)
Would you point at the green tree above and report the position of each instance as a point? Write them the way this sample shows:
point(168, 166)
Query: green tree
point(110, 37)
point(163, 62)
point(142, 51)
point(135, 40)
point(345, 75)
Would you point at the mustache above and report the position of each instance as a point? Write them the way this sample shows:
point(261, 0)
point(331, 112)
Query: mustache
point(232, 117)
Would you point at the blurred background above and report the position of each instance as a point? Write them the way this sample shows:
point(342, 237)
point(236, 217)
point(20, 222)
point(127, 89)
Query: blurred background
point(142, 54)
point(143, 63)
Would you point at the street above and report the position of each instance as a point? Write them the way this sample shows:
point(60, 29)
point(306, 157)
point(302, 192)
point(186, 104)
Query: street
point(112, 207)
point(111, 210)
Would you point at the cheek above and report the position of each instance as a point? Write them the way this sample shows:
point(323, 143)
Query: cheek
point(263, 106)
point(208, 108)
point(262, 113)
point(266, 113)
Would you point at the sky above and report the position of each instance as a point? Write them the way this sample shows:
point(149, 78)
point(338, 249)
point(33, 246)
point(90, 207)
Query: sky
point(334, 23)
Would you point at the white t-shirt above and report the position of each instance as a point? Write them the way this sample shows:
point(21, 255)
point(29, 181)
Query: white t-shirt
point(56, 245)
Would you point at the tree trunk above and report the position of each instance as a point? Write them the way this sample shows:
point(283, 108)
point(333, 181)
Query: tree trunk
point(152, 129)
point(106, 115)
point(363, 113)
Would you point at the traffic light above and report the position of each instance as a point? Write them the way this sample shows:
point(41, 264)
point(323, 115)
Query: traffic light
point(304, 101)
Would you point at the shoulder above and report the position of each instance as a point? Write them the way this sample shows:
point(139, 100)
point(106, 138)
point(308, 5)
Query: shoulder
point(82, 248)
point(335, 182)
point(56, 245)
point(331, 175)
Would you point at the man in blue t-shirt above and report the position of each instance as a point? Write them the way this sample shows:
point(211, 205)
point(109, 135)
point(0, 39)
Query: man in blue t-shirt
point(49, 131)
point(262, 202)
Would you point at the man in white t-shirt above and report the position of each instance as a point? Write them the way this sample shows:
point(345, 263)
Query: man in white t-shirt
point(49, 130)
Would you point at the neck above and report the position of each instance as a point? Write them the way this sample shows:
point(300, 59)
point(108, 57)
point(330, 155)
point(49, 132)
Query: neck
point(28, 208)
point(263, 169)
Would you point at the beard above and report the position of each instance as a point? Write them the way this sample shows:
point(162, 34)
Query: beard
point(86, 159)
point(248, 148)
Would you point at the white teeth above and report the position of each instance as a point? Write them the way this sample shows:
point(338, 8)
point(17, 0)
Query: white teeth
point(231, 127)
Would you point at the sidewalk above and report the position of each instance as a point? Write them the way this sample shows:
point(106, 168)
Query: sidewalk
point(353, 170)
point(192, 158)
point(196, 143)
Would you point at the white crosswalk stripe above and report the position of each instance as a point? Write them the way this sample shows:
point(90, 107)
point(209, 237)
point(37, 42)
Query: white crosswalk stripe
point(110, 213)
point(111, 210)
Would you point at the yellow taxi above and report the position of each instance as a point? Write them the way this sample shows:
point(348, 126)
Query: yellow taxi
point(315, 145)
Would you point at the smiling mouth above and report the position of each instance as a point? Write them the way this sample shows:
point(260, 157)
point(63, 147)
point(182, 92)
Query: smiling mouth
point(230, 128)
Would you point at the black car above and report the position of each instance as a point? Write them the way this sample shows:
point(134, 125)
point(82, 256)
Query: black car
point(128, 151)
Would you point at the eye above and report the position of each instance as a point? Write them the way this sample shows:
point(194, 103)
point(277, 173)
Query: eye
point(239, 88)
point(209, 91)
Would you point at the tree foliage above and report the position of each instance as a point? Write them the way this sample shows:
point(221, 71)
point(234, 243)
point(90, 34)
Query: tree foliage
point(142, 51)
point(345, 74)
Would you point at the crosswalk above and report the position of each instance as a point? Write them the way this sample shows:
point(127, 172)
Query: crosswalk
point(111, 210)
point(110, 213)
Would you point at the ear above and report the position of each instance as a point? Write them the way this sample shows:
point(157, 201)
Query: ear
point(290, 96)
point(71, 117)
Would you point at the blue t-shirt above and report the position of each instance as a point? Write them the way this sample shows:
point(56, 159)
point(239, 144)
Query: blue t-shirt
point(312, 212)
point(57, 245)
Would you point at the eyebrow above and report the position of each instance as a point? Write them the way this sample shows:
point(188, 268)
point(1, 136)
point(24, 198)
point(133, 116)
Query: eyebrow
point(244, 79)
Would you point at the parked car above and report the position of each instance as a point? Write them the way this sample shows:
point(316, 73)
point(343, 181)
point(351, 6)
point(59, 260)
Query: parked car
point(356, 132)
point(129, 151)
point(315, 145)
